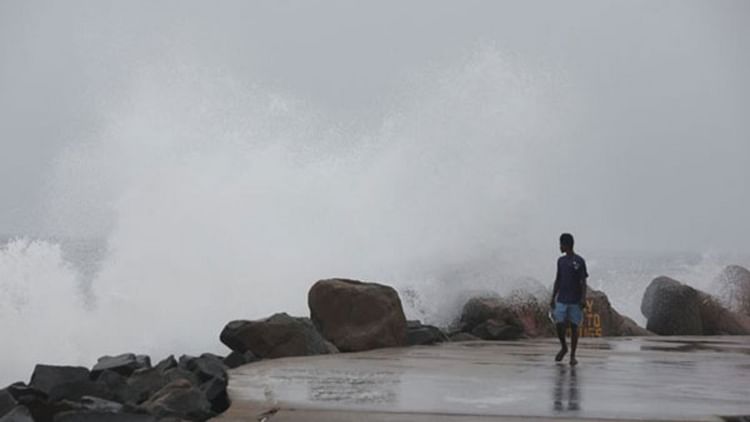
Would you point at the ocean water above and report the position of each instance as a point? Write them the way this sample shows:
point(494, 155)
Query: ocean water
point(52, 312)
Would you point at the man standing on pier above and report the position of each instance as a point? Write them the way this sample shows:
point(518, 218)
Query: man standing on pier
point(569, 296)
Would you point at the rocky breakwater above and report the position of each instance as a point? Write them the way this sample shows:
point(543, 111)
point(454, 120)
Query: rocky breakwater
point(674, 308)
point(525, 315)
point(124, 388)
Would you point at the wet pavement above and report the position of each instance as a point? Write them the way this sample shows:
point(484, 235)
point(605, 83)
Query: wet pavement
point(655, 378)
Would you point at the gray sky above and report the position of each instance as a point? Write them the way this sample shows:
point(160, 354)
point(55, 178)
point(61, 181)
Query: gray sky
point(662, 111)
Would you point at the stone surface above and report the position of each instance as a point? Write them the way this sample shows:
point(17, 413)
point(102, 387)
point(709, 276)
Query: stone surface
point(18, 414)
point(616, 379)
point(733, 289)
point(7, 402)
point(179, 398)
point(167, 363)
point(124, 364)
point(277, 336)
point(671, 308)
point(236, 359)
point(357, 316)
point(47, 377)
point(418, 334)
point(490, 318)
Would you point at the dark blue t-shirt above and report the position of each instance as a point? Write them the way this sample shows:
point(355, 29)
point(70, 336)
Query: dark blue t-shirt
point(571, 270)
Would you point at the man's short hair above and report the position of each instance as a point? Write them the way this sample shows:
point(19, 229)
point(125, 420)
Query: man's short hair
point(566, 239)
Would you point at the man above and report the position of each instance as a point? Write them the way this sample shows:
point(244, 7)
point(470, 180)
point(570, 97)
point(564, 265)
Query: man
point(569, 296)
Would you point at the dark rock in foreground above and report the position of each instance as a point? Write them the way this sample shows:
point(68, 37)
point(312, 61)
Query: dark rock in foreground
point(673, 308)
point(18, 414)
point(357, 316)
point(237, 359)
point(418, 334)
point(278, 336)
point(179, 398)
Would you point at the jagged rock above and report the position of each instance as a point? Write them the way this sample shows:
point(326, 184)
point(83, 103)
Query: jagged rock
point(278, 336)
point(167, 363)
point(215, 391)
point(42, 410)
point(532, 311)
point(418, 334)
point(18, 414)
point(205, 367)
point(357, 316)
point(673, 308)
point(733, 289)
point(47, 377)
point(237, 359)
point(82, 416)
point(490, 318)
point(124, 364)
point(7, 402)
point(181, 399)
point(602, 320)
point(95, 404)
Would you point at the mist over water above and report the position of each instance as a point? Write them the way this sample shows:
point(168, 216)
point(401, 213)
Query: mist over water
point(198, 193)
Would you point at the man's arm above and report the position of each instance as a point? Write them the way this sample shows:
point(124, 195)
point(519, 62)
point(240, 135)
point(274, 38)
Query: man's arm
point(555, 289)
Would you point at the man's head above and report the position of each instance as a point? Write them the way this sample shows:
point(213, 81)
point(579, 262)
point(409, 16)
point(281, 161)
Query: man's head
point(566, 243)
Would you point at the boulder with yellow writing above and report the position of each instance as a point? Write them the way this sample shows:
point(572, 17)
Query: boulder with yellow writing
point(600, 319)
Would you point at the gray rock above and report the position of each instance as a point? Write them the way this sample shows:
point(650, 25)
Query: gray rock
point(47, 377)
point(733, 289)
point(237, 359)
point(7, 402)
point(215, 391)
point(166, 364)
point(124, 364)
point(205, 367)
point(278, 336)
point(378, 321)
point(418, 334)
point(492, 329)
point(179, 399)
point(490, 318)
point(18, 414)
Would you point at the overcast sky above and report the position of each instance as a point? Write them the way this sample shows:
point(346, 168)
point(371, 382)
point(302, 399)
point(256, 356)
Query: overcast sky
point(663, 95)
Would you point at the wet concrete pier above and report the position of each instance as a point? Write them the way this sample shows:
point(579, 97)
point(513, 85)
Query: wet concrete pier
point(655, 378)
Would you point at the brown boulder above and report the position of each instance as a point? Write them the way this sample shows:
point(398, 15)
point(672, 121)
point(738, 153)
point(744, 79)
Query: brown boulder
point(733, 288)
point(490, 318)
point(600, 319)
point(278, 336)
point(357, 316)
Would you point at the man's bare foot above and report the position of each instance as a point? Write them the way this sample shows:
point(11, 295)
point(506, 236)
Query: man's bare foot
point(561, 354)
point(573, 361)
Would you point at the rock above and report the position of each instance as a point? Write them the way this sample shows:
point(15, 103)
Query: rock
point(166, 364)
point(47, 377)
point(205, 367)
point(357, 316)
point(83, 416)
point(493, 329)
point(461, 336)
point(18, 414)
point(237, 359)
point(602, 320)
point(124, 364)
point(278, 336)
point(490, 318)
point(733, 289)
point(215, 391)
point(532, 310)
point(418, 334)
point(36, 402)
point(95, 404)
point(179, 399)
point(7, 402)
point(673, 308)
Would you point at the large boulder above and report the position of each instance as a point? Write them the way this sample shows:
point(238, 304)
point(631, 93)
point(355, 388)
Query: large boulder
point(46, 378)
point(490, 318)
point(602, 320)
point(733, 289)
point(357, 316)
point(278, 336)
point(673, 308)
point(180, 399)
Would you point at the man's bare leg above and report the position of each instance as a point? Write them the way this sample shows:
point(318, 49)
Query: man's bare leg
point(573, 344)
point(564, 347)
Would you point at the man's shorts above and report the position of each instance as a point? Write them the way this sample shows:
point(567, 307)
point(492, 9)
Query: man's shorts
point(571, 312)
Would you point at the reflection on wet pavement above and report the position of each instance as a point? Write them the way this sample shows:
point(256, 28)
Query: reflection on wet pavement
point(642, 378)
